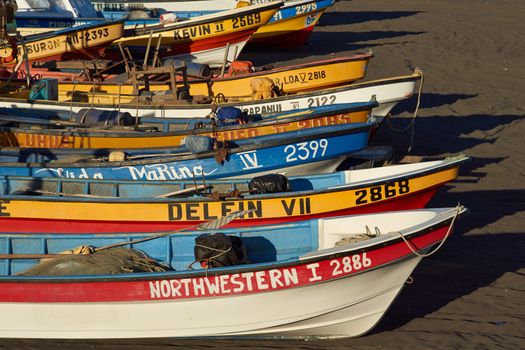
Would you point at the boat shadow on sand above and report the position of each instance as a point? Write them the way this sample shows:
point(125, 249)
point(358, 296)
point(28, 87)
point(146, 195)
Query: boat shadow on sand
point(479, 253)
point(328, 42)
point(467, 262)
point(324, 41)
point(439, 135)
point(459, 270)
point(333, 17)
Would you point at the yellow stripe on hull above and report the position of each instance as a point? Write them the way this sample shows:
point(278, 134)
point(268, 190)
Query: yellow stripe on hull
point(266, 208)
point(38, 139)
point(290, 25)
point(179, 34)
point(301, 79)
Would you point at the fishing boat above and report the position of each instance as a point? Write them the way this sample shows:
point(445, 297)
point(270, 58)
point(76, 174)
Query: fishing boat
point(31, 16)
point(332, 277)
point(388, 92)
point(292, 25)
point(188, 8)
point(235, 82)
point(88, 41)
point(53, 205)
point(35, 17)
point(320, 149)
point(206, 39)
point(52, 131)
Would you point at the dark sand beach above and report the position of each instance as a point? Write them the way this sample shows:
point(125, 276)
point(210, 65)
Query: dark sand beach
point(471, 295)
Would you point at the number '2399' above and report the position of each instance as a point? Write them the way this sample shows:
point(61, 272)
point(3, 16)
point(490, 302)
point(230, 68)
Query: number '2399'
point(306, 150)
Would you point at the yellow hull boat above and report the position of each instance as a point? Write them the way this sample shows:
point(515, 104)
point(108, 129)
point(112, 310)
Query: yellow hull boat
point(82, 42)
point(289, 79)
point(92, 206)
point(292, 25)
point(106, 137)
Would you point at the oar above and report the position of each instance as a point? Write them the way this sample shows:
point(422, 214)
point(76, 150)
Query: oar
point(210, 225)
point(30, 256)
point(87, 195)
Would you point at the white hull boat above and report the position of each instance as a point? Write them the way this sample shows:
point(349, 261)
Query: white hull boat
point(320, 281)
point(387, 92)
point(213, 56)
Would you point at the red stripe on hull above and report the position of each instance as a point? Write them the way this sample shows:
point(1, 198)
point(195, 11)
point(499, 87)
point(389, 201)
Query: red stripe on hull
point(190, 47)
point(117, 291)
point(211, 43)
point(16, 225)
point(285, 40)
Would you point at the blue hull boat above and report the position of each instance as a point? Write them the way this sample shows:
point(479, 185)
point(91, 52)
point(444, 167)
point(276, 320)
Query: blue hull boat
point(84, 14)
point(317, 150)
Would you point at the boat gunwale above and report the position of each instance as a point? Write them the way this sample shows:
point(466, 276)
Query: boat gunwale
point(69, 30)
point(443, 166)
point(326, 62)
point(209, 18)
point(365, 57)
point(289, 4)
point(274, 119)
point(345, 130)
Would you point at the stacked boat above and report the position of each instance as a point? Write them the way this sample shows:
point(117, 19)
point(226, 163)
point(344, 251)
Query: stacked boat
point(169, 190)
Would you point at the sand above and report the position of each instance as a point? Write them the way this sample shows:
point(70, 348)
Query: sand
point(471, 295)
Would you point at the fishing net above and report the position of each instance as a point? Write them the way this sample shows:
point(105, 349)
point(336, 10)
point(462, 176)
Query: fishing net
point(199, 144)
point(355, 238)
point(263, 88)
point(108, 261)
